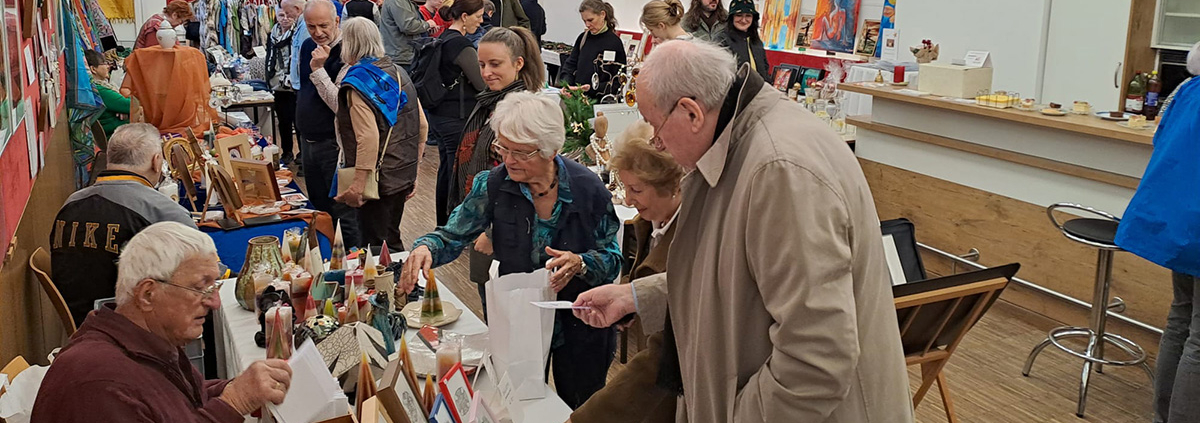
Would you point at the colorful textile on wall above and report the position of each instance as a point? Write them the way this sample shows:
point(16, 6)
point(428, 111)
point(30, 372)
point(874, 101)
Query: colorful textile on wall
point(835, 25)
point(780, 24)
point(83, 103)
point(118, 10)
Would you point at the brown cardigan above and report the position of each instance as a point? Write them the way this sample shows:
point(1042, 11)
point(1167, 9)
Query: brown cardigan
point(633, 395)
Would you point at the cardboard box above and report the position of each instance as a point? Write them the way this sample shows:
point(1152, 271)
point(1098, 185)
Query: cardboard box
point(954, 80)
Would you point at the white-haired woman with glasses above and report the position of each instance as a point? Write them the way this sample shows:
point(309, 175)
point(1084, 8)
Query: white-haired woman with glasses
point(547, 211)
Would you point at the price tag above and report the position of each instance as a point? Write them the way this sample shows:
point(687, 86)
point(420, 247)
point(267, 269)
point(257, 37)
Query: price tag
point(610, 56)
point(505, 387)
point(978, 59)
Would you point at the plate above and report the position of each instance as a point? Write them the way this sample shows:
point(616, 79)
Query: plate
point(1105, 116)
point(1126, 125)
point(412, 314)
point(1053, 112)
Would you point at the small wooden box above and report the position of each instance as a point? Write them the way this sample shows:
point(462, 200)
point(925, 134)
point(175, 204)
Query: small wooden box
point(954, 80)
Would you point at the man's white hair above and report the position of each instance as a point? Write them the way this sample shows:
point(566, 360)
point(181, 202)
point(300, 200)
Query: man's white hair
point(325, 4)
point(530, 119)
point(133, 146)
point(360, 39)
point(296, 3)
point(1193, 60)
point(155, 253)
point(688, 68)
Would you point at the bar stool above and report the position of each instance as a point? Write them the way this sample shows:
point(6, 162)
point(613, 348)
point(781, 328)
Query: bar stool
point(1098, 233)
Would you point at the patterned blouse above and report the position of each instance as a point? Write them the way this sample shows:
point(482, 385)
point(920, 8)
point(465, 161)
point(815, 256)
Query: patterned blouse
point(470, 219)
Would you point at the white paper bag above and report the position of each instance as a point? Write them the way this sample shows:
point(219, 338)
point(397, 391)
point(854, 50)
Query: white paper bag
point(520, 333)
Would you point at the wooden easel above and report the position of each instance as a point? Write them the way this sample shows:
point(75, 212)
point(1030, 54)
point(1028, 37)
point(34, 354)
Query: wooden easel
point(934, 322)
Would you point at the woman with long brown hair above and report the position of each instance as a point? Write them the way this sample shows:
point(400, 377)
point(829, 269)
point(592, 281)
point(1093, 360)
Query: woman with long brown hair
point(584, 68)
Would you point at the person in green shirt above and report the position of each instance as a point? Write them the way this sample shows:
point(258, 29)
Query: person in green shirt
point(116, 106)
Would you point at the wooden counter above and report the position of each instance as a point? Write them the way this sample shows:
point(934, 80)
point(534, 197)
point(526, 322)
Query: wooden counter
point(1084, 124)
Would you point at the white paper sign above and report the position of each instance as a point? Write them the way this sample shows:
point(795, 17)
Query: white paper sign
point(610, 56)
point(889, 50)
point(978, 59)
point(260, 51)
point(558, 305)
point(30, 69)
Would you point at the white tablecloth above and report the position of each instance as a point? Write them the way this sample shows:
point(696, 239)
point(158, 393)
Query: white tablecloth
point(235, 330)
point(855, 104)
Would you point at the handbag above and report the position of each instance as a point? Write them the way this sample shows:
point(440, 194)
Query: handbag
point(345, 176)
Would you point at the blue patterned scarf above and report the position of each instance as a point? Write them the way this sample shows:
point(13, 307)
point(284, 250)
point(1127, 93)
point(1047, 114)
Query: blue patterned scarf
point(378, 86)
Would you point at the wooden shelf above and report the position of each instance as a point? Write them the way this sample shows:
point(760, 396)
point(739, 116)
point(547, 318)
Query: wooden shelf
point(1085, 124)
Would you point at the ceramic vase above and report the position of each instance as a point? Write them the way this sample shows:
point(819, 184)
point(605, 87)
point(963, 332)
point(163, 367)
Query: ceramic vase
point(262, 250)
point(166, 35)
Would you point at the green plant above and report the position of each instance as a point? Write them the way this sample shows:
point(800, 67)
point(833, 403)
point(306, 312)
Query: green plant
point(577, 111)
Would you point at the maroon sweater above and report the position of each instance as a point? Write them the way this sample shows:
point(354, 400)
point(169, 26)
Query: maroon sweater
point(115, 371)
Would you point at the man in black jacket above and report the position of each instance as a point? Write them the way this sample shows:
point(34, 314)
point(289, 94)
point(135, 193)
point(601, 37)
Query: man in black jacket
point(96, 222)
point(320, 62)
point(537, 18)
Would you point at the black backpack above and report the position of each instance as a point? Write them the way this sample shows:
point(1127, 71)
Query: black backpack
point(427, 71)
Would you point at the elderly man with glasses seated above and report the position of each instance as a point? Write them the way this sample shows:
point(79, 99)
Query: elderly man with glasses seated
point(545, 210)
point(128, 365)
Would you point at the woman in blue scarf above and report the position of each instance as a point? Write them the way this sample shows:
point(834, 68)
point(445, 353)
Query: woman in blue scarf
point(1162, 225)
point(381, 131)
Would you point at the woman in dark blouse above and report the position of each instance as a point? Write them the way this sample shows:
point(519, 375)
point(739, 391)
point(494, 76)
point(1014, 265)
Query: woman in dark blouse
point(593, 64)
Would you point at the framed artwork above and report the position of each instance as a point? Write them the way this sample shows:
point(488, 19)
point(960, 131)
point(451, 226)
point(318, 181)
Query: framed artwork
point(835, 25)
point(372, 412)
point(804, 31)
point(256, 181)
point(440, 413)
point(783, 78)
point(397, 396)
point(780, 23)
point(808, 76)
point(868, 38)
point(457, 392)
point(480, 413)
point(235, 147)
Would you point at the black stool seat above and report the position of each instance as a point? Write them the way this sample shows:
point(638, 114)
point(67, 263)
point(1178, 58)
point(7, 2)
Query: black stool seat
point(1102, 231)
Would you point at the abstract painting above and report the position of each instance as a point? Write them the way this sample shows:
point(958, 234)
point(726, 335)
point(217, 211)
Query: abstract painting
point(868, 38)
point(835, 25)
point(780, 24)
point(804, 33)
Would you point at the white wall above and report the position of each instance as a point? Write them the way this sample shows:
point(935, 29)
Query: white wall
point(563, 23)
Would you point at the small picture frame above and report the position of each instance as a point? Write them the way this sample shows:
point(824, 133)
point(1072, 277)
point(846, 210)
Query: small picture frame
point(440, 412)
point(372, 412)
point(457, 392)
point(783, 78)
point(397, 398)
point(235, 147)
point(256, 181)
point(480, 413)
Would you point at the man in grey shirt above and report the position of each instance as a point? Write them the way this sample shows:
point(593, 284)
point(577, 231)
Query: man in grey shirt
point(400, 23)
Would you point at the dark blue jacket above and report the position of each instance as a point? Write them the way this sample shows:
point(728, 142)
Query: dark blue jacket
point(513, 216)
point(314, 118)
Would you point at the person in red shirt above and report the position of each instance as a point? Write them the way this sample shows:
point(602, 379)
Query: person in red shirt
point(429, 12)
point(178, 12)
point(127, 364)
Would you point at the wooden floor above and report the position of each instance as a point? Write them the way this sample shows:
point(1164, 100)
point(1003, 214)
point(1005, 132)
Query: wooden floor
point(984, 375)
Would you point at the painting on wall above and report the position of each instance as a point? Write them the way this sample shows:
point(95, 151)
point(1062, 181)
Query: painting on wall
point(835, 25)
point(868, 38)
point(886, 21)
point(780, 23)
point(804, 33)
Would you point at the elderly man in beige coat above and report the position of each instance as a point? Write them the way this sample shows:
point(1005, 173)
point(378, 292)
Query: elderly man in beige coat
point(777, 287)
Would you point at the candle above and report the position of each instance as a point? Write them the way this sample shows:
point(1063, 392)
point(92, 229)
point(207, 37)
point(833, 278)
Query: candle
point(448, 354)
point(279, 332)
point(898, 74)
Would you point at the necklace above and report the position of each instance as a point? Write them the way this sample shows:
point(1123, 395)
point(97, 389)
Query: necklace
point(553, 184)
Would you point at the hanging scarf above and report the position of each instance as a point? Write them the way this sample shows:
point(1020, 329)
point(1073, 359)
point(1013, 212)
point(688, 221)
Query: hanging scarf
point(475, 150)
point(381, 89)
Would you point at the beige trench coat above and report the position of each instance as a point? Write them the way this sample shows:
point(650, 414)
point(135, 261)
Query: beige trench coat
point(776, 280)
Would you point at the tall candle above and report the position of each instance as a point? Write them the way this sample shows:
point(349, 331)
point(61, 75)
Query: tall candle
point(898, 74)
point(279, 332)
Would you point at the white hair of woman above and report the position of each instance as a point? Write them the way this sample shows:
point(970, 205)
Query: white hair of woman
point(1193, 60)
point(155, 253)
point(360, 39)
point(133, 147)
point(688, 69)
point(531, 119)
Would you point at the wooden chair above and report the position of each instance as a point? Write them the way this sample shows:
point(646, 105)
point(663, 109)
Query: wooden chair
point(39, 262)
point(934, 317)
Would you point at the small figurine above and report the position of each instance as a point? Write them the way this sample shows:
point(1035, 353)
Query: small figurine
point(928, 51)
point(599, 149)
point(879, 77)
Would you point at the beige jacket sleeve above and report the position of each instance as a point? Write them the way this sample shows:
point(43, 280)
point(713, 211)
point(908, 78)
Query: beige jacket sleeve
point(651, 295)
point(326, 87)
point(808, 292)
point(362, 117)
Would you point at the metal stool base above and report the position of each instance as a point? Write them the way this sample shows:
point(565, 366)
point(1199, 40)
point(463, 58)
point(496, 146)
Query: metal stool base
point(1093, 355)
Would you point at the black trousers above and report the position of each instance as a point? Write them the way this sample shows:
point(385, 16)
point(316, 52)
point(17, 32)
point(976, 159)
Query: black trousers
point(379, 220)
point(580, 365)
point(448, 132)
point(285, 112)
point(320, 158)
